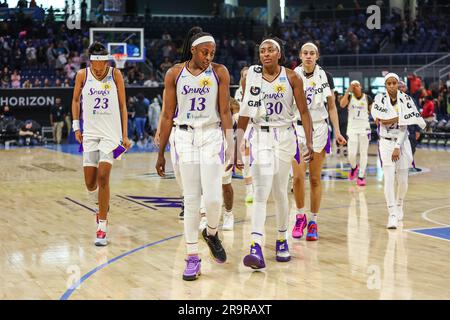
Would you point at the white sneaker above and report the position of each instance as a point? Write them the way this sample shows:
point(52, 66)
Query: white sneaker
point(400, 213)
point(392, 222)
point(228, 222)
point(203, 223)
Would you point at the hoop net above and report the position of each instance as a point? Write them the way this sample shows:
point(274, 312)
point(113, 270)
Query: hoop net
point(120, 59)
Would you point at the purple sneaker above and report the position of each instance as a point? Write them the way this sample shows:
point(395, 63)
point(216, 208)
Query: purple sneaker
point(255, 259)
point(192, 271)
point(282, 251)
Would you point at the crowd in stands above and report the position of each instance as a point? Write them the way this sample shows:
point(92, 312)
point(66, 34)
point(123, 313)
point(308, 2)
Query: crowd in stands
point(39, 54)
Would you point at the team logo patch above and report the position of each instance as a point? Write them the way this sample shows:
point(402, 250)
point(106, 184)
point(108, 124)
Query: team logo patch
point(280, 88)
point(106, 86)
point(255, 90)
point(312, 83)
point(257, 69)
point(205, 82)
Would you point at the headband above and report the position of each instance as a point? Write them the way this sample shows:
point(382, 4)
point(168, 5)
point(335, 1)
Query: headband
point(203, 39)
point(310, 44)
point(276, 44)
point(391, 75)
point(98, 57)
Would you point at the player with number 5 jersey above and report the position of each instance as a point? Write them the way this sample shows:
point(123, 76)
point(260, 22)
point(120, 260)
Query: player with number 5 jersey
point(319, 98)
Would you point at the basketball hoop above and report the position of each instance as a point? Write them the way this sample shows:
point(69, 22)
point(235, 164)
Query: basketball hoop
point(120, 59)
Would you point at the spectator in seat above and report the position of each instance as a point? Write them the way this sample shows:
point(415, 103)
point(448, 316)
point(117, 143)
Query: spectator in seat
point(428, 113)
point(151, 82)
point(37, 83)
point(29, 134)
point(27, 84)
point(15, 80)
point(166, 65)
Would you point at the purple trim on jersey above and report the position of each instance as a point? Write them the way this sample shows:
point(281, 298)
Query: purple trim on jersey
point(179, 75)
point(215, 76)
point(259, 234)
point(250, 135)
point(297, 151)
point(222, 153)
point(112, 73)
point(328, 145)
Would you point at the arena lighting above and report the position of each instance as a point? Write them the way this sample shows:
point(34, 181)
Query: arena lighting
point(282, 5)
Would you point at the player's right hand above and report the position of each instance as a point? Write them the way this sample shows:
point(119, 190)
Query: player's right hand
point(79, 136)
point(161, 166)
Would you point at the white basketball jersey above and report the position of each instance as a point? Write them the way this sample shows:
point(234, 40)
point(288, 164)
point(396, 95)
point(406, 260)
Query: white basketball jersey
point(358, 114)
point(279, 102)
point(197, 98)
point(100, 108)
point(317, 90)
point(390, 131)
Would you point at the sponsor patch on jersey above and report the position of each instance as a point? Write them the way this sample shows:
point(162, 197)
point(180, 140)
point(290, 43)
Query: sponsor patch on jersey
point(205, 82)
point(283, 79)
point(255, 90)
point(280, 88)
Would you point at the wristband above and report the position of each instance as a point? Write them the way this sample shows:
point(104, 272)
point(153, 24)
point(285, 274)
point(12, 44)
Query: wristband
point(75, 125)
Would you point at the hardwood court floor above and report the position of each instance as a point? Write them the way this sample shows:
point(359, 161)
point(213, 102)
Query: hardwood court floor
point(47, 231)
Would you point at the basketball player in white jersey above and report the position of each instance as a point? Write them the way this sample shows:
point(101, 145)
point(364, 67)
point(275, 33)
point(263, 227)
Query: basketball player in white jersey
point(269, 93)
point(199, 90)
point(99, 100)
point(246, 172)
point(318, 97)
point(394, 148)
point(358, 129)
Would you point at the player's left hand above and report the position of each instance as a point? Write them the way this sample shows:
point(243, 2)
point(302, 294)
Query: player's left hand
point(340, 139)
point(126, 143)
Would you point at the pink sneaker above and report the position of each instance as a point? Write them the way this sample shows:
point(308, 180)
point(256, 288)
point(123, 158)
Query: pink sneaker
point(300, 225)
point(361, 182)
point(353, 173)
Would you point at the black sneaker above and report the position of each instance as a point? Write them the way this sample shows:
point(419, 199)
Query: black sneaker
point(215, 246)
